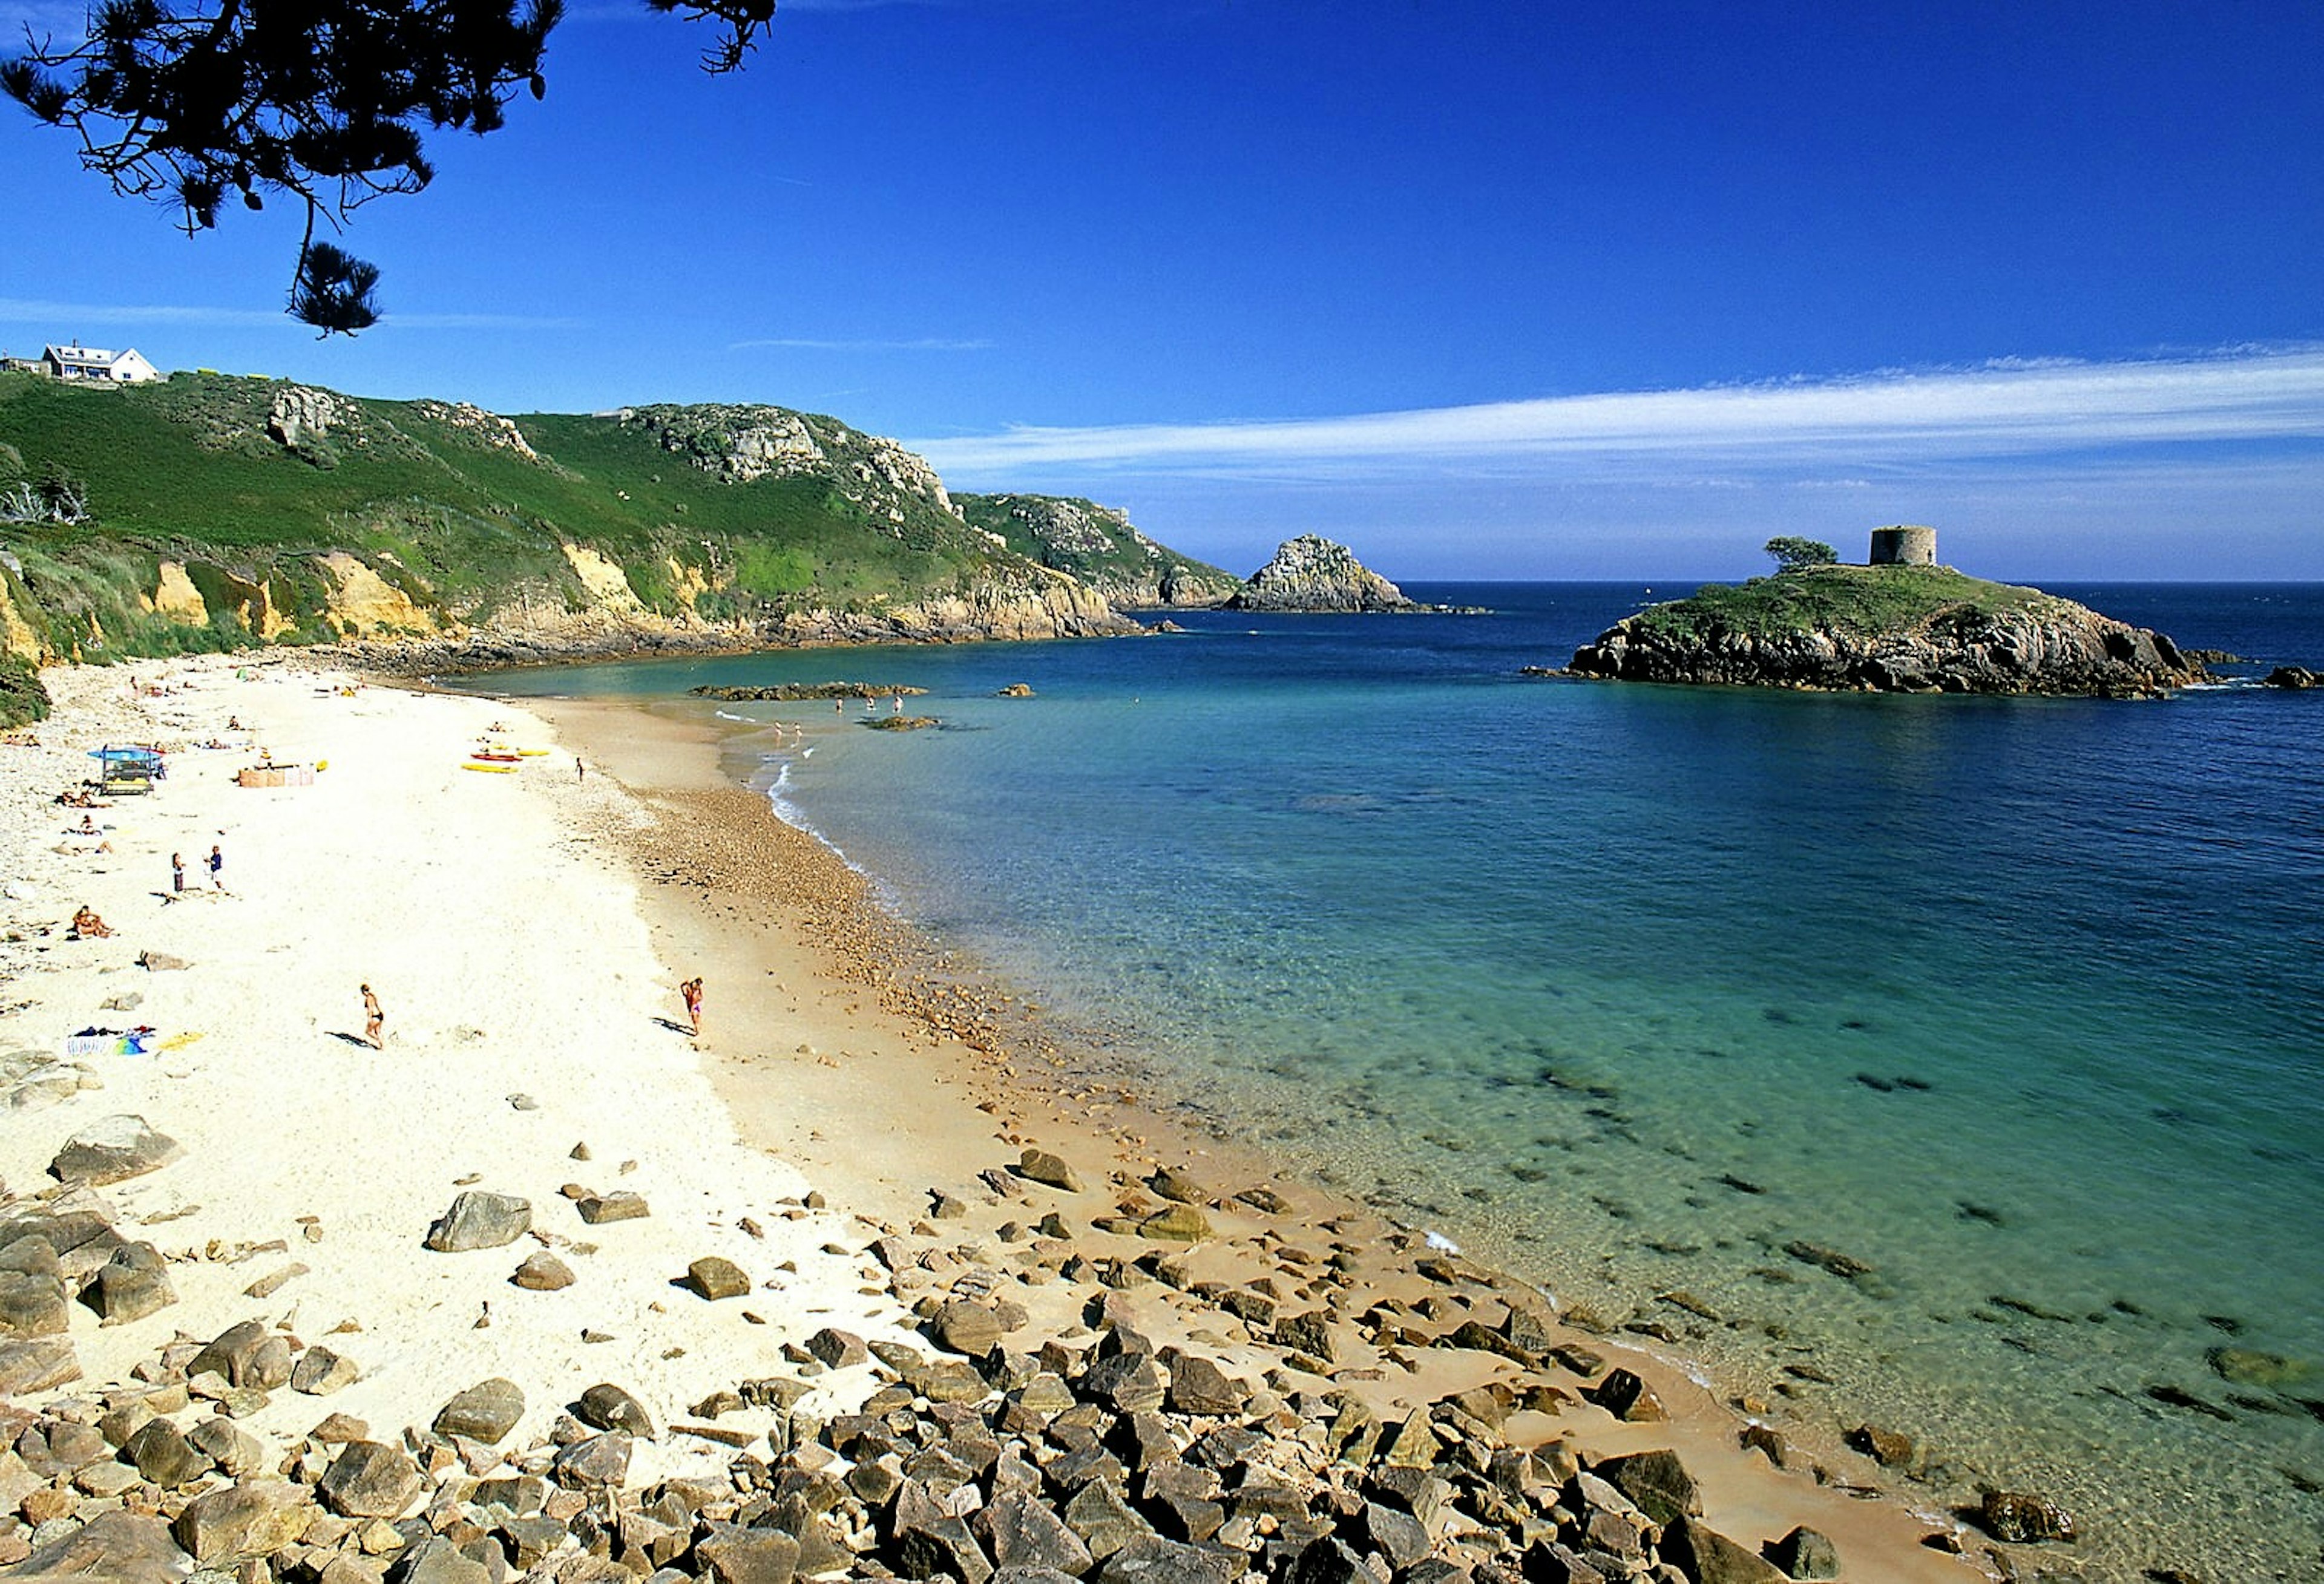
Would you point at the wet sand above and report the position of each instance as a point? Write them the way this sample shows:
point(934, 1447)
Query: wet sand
point(845, 1043)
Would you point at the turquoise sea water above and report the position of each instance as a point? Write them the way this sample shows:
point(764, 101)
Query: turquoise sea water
point(2015, 1002)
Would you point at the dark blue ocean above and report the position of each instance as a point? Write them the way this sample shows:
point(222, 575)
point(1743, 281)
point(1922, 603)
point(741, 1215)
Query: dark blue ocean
point(2016, 1003)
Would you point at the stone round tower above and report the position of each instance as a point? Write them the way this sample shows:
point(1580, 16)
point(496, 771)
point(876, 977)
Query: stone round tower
point(1903, 546)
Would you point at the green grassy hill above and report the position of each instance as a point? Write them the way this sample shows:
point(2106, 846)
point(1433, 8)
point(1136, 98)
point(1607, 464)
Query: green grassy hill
point(222, 512)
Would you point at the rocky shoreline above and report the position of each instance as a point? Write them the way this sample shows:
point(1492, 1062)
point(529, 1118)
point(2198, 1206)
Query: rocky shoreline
point(1052, 1340)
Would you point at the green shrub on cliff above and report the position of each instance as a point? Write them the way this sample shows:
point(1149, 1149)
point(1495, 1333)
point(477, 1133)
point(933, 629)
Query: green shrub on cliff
point(22, 699)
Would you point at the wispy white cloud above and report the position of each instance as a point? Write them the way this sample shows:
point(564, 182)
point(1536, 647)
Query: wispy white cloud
point(809, 343)
point(2016, 408)
point(476, 322)
point(63, 318)
point(66, 318)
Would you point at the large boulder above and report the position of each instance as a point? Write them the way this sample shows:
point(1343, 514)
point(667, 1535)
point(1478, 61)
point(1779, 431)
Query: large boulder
point(120, 1547)
point(370, 1479)
point(256, 1519)
point(486, 1411)
point(113, 1150)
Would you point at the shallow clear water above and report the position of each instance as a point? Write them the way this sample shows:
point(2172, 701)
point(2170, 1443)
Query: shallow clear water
point(2014, 1002)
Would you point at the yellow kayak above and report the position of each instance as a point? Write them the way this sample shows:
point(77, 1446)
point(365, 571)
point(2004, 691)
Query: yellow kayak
point(477, 764)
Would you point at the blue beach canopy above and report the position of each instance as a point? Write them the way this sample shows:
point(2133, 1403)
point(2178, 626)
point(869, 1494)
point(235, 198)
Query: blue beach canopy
point(129, 754)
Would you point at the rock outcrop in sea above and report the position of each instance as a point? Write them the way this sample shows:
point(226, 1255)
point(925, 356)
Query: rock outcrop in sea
point(1314, 574)
point(1890, 630)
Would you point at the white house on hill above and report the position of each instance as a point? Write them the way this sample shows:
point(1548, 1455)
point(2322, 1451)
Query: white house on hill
point(97, 365)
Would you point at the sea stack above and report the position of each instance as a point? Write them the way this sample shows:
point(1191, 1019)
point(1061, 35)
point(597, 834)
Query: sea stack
point(1314, 574)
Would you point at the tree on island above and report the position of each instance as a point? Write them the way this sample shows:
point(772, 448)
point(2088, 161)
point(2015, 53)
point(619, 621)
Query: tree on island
point(1793, 553)
point(184, 101)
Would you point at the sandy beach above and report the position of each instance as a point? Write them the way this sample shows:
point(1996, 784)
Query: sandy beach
point(849, 1132)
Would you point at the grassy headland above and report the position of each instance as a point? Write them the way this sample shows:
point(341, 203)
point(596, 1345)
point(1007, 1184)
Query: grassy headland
point(211, 511)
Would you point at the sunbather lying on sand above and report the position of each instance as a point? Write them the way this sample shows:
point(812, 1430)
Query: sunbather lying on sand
point(87, 927)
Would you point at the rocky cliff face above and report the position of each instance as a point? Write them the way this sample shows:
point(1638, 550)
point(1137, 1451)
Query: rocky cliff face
point(553, 629)
point(741, 444)
point(1315, 573)
point(2046, 645)
point(1100, 545)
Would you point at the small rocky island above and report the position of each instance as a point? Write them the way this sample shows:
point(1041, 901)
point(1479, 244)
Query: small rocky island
point(1899, 624)
point(1315, 574)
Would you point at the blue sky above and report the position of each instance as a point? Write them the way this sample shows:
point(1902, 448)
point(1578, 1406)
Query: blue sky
point(1484, 290)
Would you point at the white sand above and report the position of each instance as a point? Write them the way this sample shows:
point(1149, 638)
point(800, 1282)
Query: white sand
point(510, 960)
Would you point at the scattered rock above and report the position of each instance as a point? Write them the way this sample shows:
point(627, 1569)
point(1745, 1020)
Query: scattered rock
point(118, 1546)
point(1890, 1449)
point(2016, 1518)
point(623, 1204)
point(369, 1479)
point(543, 1273)
point(34, 1364)
point(113, 1150)
point(255, 1518)
point(836, 1349)
point(2250, 1367)
point(1039, 1166)
point(486, 1411)
point(320, 1371)
point(713, 1278)
point(163, 1456)
point(1708, 1557)
point(478, 1219)
point(606, 1406)
point(131, 1284)
point(1625, 1396)
point(1181, 1223)
point(966, 1328)
point(1804, 1553)
point(1657, 1482)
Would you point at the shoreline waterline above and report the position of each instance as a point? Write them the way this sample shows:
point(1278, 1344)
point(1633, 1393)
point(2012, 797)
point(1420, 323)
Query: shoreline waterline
point(1081, 1092)
point(2036, 1339)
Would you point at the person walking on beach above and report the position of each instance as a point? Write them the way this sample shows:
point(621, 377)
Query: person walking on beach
point(691, 993)
point(580, 770)
point(375, 1020)
point(217, 868)
point(177, 874)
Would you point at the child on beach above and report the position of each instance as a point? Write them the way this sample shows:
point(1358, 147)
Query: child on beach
point(691, 993)
point(217, 864)
point(375, 1020)
point(177, 874)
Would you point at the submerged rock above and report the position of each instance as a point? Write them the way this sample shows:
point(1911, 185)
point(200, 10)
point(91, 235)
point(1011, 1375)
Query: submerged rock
point(2017, 1518)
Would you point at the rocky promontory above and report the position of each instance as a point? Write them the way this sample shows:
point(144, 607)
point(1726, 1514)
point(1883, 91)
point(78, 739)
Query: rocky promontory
point(1888, 629)
point(1314, 574)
